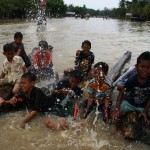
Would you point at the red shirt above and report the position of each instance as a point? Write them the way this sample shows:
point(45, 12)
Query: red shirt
point(43, 60)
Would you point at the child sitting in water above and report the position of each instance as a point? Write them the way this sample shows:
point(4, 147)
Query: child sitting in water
point(99, 89)
point(19, 48)
point(135, 95)
point(42, 61)
point(65, 95)
point(84, 59)
point(13, 68)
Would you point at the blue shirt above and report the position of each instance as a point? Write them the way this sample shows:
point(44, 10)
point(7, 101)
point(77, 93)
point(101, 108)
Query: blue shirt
point(137, 94)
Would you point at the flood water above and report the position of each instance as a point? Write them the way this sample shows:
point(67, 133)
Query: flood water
point(110, 40)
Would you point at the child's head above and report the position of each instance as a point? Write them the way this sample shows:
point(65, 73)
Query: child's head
point(143, 65)
point(75, 78)
point(100, 70)
point(8, 51)
point(43, 45)
point(18, 36)
point(86, 46)
point(27, 81)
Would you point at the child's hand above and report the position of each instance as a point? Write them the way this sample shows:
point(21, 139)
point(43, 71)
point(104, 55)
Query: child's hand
point(1, 101)
point(13, 101)
point(145, 117)
point(115, 115)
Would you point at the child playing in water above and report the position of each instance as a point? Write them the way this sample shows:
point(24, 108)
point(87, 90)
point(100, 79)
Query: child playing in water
point(99, 90)
point(66, 90)
point(19, 48)
point(84, 59)
point(43, 57)
point(135, 95)
point(35, 99)
point(13, 68)
point(43, 61)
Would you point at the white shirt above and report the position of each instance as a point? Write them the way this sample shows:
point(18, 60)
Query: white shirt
point(13, 71)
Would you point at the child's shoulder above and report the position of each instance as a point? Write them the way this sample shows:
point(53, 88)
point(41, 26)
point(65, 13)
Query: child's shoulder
point(17, 58)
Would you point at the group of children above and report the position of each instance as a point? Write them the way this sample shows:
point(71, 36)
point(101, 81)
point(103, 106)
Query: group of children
point(134, 94)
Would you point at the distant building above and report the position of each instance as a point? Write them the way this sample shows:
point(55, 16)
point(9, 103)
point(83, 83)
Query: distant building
point(70, 14)
point(128, 14)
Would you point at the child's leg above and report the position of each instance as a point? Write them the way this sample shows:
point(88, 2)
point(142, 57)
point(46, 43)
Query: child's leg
point(88, 110)
point(105, 112)
point(60, 124)
point(51, 123)
point(63, 123)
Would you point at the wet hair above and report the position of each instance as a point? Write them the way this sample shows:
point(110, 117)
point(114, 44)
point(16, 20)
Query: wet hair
point(143, 56)
point(86, 42)
point(77, 74)
point(30, 76)
point(18, 35)
point(43, 44)
point(8, 47)
point(105, 66)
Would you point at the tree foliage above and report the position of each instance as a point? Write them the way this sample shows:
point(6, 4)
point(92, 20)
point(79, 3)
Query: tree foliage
point(56, 8)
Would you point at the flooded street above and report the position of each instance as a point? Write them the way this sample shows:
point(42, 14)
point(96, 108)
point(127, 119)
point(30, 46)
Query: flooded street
point(110, 39)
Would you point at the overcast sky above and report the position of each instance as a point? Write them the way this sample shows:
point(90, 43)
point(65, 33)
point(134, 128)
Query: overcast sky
point(94, 4)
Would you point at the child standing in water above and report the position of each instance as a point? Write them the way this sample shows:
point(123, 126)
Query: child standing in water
point(100, 91)
point(84, 59)
point(135, 95)
point(13, 68)
point(19, 48)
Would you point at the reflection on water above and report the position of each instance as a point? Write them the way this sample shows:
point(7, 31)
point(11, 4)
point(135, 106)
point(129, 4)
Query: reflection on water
point(110, 40)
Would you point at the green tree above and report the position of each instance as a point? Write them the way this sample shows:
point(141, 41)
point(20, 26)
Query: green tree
point(55, 8)
point(146, 11)
point(15, 8)
point(122, 4)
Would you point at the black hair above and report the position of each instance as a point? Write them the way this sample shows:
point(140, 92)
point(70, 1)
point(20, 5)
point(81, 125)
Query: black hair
point(143, 56)
point(77, 74)
point(18, 34)
point(43, 44)
point(8, 47)
point(105, 66)
point(30, 76)
point(86, 42)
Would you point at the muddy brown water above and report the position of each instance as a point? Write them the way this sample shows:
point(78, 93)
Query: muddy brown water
point(110, 40)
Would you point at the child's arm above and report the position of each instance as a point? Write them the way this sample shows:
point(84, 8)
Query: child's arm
point(77, 57)
point(116, 113)
point(12, 101)
point(2, 75)
point(145, 112)
point(24, 69)
point(19, 52)
point(1, 101)
point(60, 91)
point(119, 99)
point(89, 107)
point(27, 118)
